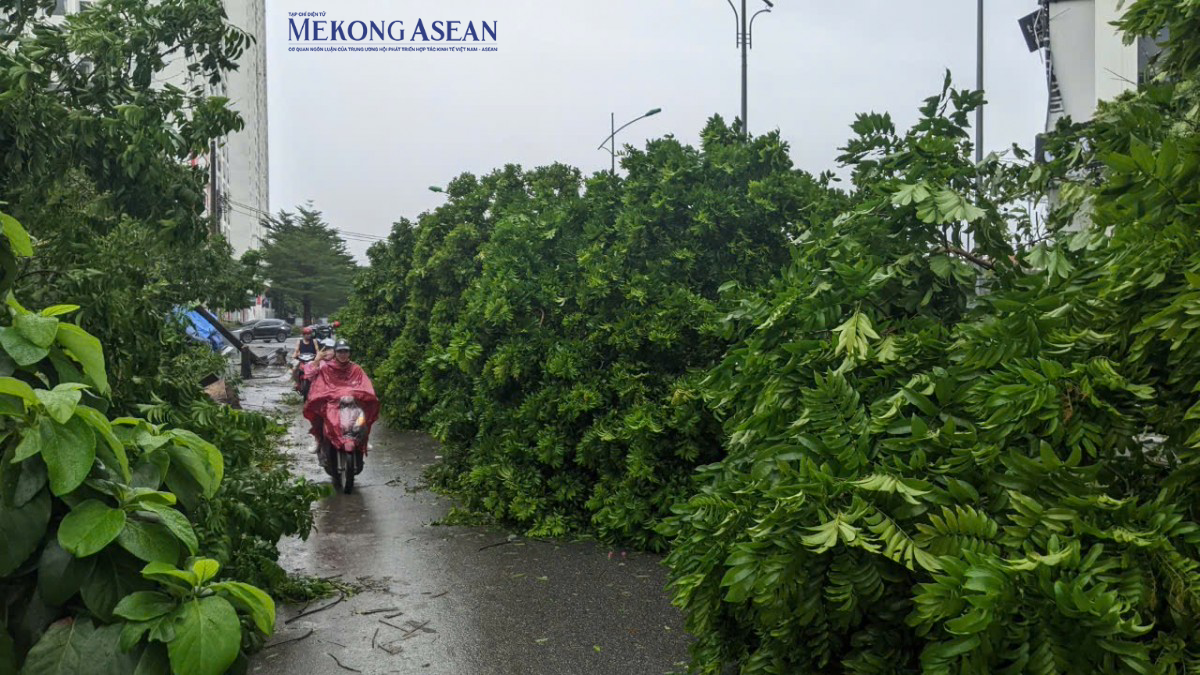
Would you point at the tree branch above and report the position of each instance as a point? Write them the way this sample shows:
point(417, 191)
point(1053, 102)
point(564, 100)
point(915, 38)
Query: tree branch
point(978, 260)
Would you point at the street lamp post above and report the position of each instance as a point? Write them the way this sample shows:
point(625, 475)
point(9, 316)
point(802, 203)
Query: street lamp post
point(745, 40)
point(612, 138)
point(979, 80)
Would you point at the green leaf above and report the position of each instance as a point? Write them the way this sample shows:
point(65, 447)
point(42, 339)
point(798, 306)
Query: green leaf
point(111, 579)
point(252, 599)
point(145, 605)
point(207, 637)
point(77, 647)
point(69, 451)
point(18, 237)
point(20, 348)
point(953, 207)
point(60, 574)
point(171, 575)
point(60, 402)
point(85, 349)
point(89, 527)
point(23, 528)
point(31, 481)
point(199, 459)
point(8, 652)
point(58, 310)
point(14, 387)
point(154, 661)
point(150, 542)
point(39, 330)
point(112, 450)
point(205, 569)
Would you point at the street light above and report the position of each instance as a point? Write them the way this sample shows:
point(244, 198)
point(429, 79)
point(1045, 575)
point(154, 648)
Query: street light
point(613, 136)
point(745, 40)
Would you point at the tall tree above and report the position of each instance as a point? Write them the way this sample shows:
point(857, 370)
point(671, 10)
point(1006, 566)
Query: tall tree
point(307, 263)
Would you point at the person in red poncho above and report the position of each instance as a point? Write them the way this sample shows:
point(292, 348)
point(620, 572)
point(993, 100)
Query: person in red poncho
point(335, 379)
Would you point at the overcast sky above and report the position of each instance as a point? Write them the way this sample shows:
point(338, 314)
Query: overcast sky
point(363, 135)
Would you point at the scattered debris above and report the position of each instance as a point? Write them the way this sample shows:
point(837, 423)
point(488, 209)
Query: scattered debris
point(295, 639)
point(373, 638)
point(392, 616)
point(342, 665)
point(438, 595)
point(319, 609)
point(499, 543)
point(379, 611)
point(418, 627)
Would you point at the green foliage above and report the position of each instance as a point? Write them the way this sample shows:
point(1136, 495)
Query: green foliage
point(957, 444)
point(552, 331)
point(97, 165)
point(87, 492)
point(93, 152)
point(307, 263)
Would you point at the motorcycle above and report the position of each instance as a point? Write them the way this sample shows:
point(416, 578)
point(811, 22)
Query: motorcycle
point(344, 460)
point(302, 373)
point(342, 408)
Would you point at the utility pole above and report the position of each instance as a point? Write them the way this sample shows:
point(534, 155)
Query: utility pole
point(213, 209)
point(612, 127)
point(611, 141)
point(745, 40)
point(744, 23)
point(978, 81)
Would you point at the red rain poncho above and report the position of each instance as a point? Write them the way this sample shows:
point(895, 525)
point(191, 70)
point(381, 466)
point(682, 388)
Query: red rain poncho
point(331, 382)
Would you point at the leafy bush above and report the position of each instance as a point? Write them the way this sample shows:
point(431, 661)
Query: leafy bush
point(96, 164)
point(552, 331)
point(923, 478)
point(82, 508)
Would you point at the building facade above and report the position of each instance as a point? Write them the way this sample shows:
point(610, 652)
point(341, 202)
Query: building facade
point(1087, 60)
point(243, 168)
point(238, 166)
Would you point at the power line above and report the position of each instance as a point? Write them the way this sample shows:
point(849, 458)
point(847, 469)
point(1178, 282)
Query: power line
point(253, 212)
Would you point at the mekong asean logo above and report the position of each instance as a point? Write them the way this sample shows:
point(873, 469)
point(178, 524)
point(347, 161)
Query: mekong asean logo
point(317, 32)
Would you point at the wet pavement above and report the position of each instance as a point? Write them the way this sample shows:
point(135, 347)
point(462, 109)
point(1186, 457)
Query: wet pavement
point(453, 600)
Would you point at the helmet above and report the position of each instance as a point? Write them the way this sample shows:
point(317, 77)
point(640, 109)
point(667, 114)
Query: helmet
point(342, 346)
point(337, 324)
point(326, 344)
point(307, 330)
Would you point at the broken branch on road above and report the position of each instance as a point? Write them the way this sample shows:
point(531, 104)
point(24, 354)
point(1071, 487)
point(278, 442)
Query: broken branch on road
point(295, 639)
point(319, 609)
point(342, 665)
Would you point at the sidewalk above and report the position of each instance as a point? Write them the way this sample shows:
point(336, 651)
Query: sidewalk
point(455, 600)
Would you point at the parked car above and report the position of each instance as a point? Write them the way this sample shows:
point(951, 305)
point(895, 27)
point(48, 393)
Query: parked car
point(265, 329)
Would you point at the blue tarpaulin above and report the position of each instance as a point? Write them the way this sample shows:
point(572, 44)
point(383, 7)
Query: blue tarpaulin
point(197, 327)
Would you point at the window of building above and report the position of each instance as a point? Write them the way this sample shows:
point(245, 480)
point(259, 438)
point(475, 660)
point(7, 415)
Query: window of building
point(60, 7)
point(84, 5)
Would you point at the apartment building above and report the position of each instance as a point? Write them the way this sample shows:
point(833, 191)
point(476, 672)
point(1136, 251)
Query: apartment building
point(238, 165)
point(1087, 61)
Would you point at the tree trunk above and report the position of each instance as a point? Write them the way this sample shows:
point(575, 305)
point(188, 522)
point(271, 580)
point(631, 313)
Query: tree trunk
point(307, 311)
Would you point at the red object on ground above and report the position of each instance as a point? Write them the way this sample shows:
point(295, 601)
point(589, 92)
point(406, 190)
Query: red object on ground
point(330, 383)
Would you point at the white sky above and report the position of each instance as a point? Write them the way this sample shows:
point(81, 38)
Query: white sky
point(363, 135)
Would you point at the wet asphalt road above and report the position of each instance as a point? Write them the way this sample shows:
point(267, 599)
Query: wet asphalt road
point(454, 600)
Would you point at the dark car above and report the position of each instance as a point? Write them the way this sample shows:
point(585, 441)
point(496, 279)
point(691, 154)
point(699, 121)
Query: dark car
point(265, 329)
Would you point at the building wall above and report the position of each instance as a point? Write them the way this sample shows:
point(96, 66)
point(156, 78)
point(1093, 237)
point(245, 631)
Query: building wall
point(242, 165)
point(244, 168)
point(1090, 59)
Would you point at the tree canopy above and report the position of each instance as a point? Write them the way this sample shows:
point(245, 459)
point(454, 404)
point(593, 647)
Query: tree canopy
point(306, 263)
